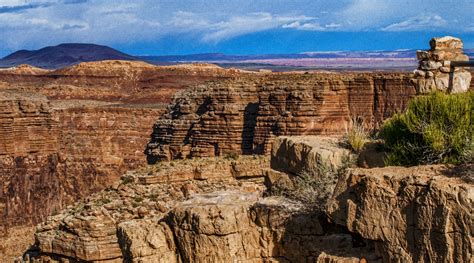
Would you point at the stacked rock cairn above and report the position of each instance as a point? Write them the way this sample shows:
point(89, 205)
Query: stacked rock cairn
point(435, 71)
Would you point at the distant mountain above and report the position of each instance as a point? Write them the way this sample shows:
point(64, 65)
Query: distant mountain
point(63, 55)
point(219, 57)
point(469, 52)
point(69, 54)
point(329, 54)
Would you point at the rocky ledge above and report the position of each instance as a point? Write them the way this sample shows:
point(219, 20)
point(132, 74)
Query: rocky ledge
point(417, 214)
point(219, 210)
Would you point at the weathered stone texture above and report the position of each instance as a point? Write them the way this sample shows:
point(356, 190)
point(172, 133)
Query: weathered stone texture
point(27, 149)
point(305, 154)
point(51, 157)
point(219, 218)
point(418, 214)
point(245, 114)
point(435, 71)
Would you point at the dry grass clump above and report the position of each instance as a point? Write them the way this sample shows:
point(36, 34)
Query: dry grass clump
point(357, 136)
point(314, 190)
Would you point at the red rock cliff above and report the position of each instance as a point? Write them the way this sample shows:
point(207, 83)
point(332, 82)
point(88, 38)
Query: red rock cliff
point(245, 113)
point(51, 157)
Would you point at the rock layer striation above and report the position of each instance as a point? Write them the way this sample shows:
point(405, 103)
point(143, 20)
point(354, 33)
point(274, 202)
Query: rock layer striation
point(245, 114)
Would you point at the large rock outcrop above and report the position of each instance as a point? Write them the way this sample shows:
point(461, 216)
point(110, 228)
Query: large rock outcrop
point(171, 213)
point(52, 155)
point(417, 214)
point(244, 114)
point(216, 210)
point(305, 154)
point(70, 132)
point(98, 227)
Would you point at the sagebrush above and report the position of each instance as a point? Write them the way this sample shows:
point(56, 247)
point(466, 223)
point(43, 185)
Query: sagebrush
point(435, 128)
point(314, 189)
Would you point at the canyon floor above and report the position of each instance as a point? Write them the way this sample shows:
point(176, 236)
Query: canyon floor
point(125, 161)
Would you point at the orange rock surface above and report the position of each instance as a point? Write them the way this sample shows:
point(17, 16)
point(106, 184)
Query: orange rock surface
point(245, 113)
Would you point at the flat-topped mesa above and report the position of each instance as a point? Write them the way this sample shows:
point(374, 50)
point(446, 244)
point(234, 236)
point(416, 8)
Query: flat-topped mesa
point(435, 70)
point(245, 114)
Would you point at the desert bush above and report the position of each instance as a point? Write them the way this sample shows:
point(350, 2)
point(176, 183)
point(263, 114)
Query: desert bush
point(231, 156)
point(357, 136)
point(436, 128)
point(126, 179)
point(314, 190)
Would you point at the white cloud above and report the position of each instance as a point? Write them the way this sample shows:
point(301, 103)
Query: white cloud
point(255, 22)
point(333, 25)
point(37, 23)
point(312, 26)
point(422, 22)
point(304, 26)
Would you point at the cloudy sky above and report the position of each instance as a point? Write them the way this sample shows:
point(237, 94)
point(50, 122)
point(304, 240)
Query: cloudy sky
point(156, 27)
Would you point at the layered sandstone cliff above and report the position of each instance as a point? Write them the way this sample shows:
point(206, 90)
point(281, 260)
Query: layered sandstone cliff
point(51, 156)
point(28, 149)
point(86, 125)
point(244, 114)
point(124, 81)
point(208, 210)
point(217, 210)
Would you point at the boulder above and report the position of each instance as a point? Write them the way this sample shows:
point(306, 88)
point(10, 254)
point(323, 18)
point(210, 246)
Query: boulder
point(418, 214)
point(147, 241)
point(307, 154)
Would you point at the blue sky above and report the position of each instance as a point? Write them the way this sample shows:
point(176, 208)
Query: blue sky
point(160, 27)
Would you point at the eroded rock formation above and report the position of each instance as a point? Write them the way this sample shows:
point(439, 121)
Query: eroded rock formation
point(171, 213)
point(245, 114)
point(215, 210)
point(51, 156)
point(418, 214)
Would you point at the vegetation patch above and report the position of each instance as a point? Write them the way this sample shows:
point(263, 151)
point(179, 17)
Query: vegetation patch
point(436, 128)
point(357, 136)
point(314, 190)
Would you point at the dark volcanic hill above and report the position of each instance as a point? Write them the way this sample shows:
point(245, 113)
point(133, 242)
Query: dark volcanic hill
point(63, 55)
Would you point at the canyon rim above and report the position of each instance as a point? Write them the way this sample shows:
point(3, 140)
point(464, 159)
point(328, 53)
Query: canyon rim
point(232, 135)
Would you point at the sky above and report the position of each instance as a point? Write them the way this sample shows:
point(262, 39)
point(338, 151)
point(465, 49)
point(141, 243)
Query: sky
point(166, 27)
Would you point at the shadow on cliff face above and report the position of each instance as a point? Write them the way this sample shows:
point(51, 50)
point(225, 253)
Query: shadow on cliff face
point(464, 172)
point(250, 121)
point(311, 235)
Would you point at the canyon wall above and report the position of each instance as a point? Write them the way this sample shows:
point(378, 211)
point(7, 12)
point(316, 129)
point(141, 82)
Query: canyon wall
point(51, 157)
point(244, 114)
point(203, 210)
point(28, 154)
point(71, 132)
point(113, 81)
point(220, 210)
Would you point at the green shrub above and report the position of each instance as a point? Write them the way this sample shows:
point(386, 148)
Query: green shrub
point(436, 128)
point(231, 156)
